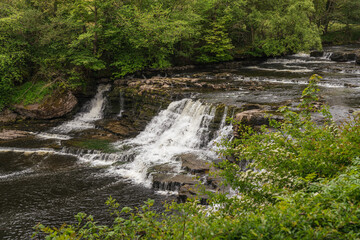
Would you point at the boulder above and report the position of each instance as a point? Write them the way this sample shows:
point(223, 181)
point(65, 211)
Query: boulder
point(162, 168)
point(342, 56)
point(54, 106)
point(115, 127)
point(7, 116)
point(255, 117)
point(358, 57)
point(317, 54)
point(193, 164)
point(190, 191)
point(172, 182)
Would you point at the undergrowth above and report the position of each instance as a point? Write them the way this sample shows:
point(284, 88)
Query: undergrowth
point(32, 92)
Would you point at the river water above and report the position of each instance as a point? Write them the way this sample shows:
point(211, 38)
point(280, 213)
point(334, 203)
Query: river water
point(42, 180)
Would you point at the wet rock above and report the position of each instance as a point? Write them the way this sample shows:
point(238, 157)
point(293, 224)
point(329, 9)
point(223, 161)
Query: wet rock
point(342, 56)
point(54, 106)
point(255, 117)
point(253, 106)
point(358, 57)
point(193, 164)
point(317, 54)
point(190, 191)
point(12, 134)
point(224, 75)
point(116, 127)
point(171, 182)
point(98, 134)
point(165, 168)
point(7, 116)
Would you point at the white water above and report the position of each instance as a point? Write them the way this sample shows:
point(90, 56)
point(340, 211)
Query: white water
point(324, 83)
point(182, 128)
point(298, 69)
point(327, 55)
point(84, 120)
point(224, 132)
point(122, 107)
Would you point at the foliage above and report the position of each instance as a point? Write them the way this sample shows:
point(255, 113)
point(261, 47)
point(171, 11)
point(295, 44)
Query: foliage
point(68, 42)
point(298, 149)
point(302, 183)
point(32, 92)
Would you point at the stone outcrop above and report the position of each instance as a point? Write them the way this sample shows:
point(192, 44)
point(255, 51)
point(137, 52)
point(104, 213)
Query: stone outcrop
point(172, 182)
point(116, 127)
point(12, 134)
point(54, 106)
point(343, 56)
point(317, 54)
point(162, 168)
point(193, 164)
point(7, 116)
point(191, 191)
point(357, 57)
point(255, 117)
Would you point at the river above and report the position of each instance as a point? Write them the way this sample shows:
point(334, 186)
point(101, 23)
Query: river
point(44, 180)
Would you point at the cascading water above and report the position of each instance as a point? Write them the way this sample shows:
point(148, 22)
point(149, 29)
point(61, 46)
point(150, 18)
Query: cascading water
point(122, 107)
point(182, 128)
point(327, 55)
point(224, 132)
point(84, 120)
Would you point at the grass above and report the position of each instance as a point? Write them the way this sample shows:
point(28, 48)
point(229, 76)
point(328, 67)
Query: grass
point(32, 92)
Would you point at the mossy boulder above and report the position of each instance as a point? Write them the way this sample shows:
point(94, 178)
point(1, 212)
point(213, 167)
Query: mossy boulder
point(53, 106)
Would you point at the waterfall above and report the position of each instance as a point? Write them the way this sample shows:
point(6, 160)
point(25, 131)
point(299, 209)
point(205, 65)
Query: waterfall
point(327, 55)
point(224, 132)
point(121, 105)
point(84, 120)
point(181, 128)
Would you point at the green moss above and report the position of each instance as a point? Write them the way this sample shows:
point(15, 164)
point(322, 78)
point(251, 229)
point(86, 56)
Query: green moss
point(32, 92)
point(93, 144)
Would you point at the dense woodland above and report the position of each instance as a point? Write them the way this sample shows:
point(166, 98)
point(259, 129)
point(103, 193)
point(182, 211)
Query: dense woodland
point(52, 44)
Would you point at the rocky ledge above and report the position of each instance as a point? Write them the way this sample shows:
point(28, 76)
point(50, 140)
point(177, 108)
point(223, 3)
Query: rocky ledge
point(12, 134)
point(54, 106)
point(193, 180)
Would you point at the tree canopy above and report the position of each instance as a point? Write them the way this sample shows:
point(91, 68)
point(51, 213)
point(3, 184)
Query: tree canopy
point(66, 41)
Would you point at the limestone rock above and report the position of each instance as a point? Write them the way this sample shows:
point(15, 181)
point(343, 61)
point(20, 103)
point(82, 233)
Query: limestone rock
point(342, 56)
point(7, 116)
point(253, 117)
point(317, 54)
point(162, 168)
point(171, 182)
point(115, 127)
point(54, 106)
point(358, 57)
point(190, 191)
point(12, 134)
point(193, 164)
